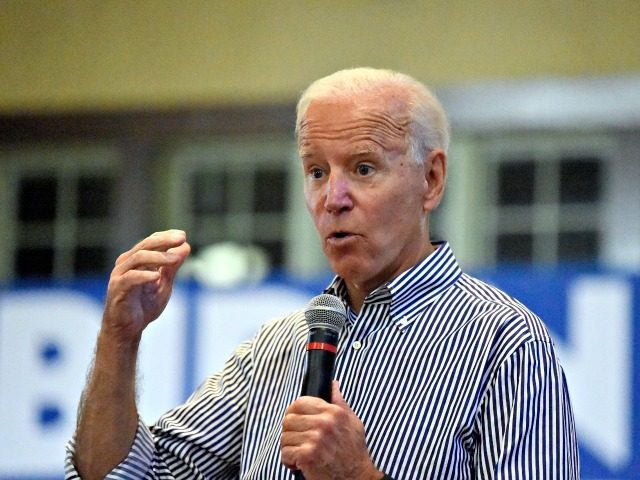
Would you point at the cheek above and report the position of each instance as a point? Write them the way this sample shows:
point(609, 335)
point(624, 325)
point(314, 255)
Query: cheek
point(311, 201)
point(412, 194)
point(399, 212)
point(308, 198)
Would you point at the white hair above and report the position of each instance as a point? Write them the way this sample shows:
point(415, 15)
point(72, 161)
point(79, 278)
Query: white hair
point(428, 126)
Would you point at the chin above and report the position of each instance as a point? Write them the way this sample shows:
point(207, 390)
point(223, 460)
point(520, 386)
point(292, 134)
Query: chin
point(346, 270)
point(354, 273)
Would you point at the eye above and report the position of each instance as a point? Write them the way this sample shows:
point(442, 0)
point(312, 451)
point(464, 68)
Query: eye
point(316, 173)
point(364, 169)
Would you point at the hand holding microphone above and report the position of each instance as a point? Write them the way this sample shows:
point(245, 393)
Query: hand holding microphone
point(325, 316)
point(321, 435)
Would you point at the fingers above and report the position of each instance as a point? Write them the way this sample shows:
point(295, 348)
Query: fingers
point(303, 415)
point(178, 255)
point(133, 278)
point(162, 240)
point(309, 412)
point(141, 283)
point(336, 395)
point(325, 440)
point(308, 422)
point(307, 406)
point(169, 240)
point(152, 265)
point(162, 249)
point(144, 260)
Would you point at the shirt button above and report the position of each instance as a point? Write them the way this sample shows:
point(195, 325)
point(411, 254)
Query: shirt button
point(356, 345)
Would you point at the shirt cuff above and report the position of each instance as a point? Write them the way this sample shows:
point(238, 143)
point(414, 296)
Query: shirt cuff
point(134, 466)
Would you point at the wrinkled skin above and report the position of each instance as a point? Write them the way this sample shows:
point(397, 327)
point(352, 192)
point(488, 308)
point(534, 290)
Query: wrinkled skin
point(325, 440)
point(370, 203)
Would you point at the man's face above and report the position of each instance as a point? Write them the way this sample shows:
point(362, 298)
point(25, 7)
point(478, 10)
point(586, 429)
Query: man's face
point(366, 196)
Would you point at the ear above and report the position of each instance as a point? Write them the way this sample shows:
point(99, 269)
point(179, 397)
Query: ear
point(435, 174)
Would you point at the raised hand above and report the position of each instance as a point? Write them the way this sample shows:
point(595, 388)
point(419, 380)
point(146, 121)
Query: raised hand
point(141, 283)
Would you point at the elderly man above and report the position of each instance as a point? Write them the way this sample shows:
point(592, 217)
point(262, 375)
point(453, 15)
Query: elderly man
point(438, 374)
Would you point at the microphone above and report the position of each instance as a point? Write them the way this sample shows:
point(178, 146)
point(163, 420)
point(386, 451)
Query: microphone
point(325, 316)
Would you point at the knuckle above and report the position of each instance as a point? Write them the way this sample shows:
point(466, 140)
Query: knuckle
point(121, 258)
point(286, 421)
point(307, 454)
point(316, 438)
point(337, 413)
point(325, 423)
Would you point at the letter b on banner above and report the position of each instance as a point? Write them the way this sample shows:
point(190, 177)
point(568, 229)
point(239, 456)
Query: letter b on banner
point(46, 344)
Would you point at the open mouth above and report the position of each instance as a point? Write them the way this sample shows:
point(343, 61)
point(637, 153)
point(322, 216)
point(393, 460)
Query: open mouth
point(340, 236)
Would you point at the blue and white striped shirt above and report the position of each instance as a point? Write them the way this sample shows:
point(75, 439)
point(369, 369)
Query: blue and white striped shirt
point(451, 378)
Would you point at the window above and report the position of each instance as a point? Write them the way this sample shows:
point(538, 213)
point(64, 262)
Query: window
point(545, 204)
point(233, 192)
point(76, 190)
point(59, 226)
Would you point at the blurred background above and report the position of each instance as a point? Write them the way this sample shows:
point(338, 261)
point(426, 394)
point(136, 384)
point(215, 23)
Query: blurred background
point(120, 118)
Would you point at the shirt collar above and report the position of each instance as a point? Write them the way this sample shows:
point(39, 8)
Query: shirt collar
point(414, 289)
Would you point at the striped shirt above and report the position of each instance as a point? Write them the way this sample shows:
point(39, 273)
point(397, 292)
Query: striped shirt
point(451, 378)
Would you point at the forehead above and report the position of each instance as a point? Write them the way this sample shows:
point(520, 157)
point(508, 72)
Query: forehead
point(376, 119)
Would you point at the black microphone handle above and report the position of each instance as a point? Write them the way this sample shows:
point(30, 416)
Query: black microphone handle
point(321, 357)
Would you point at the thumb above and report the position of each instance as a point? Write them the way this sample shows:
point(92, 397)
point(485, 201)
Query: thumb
point(336, 395)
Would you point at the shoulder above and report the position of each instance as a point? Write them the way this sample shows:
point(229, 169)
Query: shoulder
point(282, 332)
point(275, 342)
point(507, 323)
point(508, 327)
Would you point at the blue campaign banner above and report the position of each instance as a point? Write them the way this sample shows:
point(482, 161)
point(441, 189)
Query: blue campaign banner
point(47, 335)
point(594, 317)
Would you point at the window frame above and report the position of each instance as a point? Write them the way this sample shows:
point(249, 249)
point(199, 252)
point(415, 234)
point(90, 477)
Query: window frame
point(67, 162)
point(548, 216)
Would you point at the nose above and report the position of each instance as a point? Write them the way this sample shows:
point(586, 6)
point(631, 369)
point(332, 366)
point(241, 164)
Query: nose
point(338, 194)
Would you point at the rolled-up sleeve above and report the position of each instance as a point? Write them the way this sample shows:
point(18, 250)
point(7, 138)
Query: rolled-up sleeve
point(201, 438)
point(134, 466)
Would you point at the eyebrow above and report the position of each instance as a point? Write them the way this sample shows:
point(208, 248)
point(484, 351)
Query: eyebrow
point(305, 154)
point(364, 152)
point(361, 152)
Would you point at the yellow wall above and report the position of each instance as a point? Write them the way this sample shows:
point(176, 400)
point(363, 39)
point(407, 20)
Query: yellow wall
point(109, 54)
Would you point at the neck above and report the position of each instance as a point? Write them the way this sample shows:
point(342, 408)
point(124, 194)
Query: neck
point(357, 293)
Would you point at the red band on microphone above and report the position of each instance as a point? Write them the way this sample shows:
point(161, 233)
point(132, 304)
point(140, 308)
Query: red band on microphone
point(322, 346)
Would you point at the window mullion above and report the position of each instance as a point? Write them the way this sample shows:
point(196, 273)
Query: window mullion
point(65, 226)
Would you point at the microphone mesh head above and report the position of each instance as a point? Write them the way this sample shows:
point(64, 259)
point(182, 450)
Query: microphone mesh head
point(326, 311)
